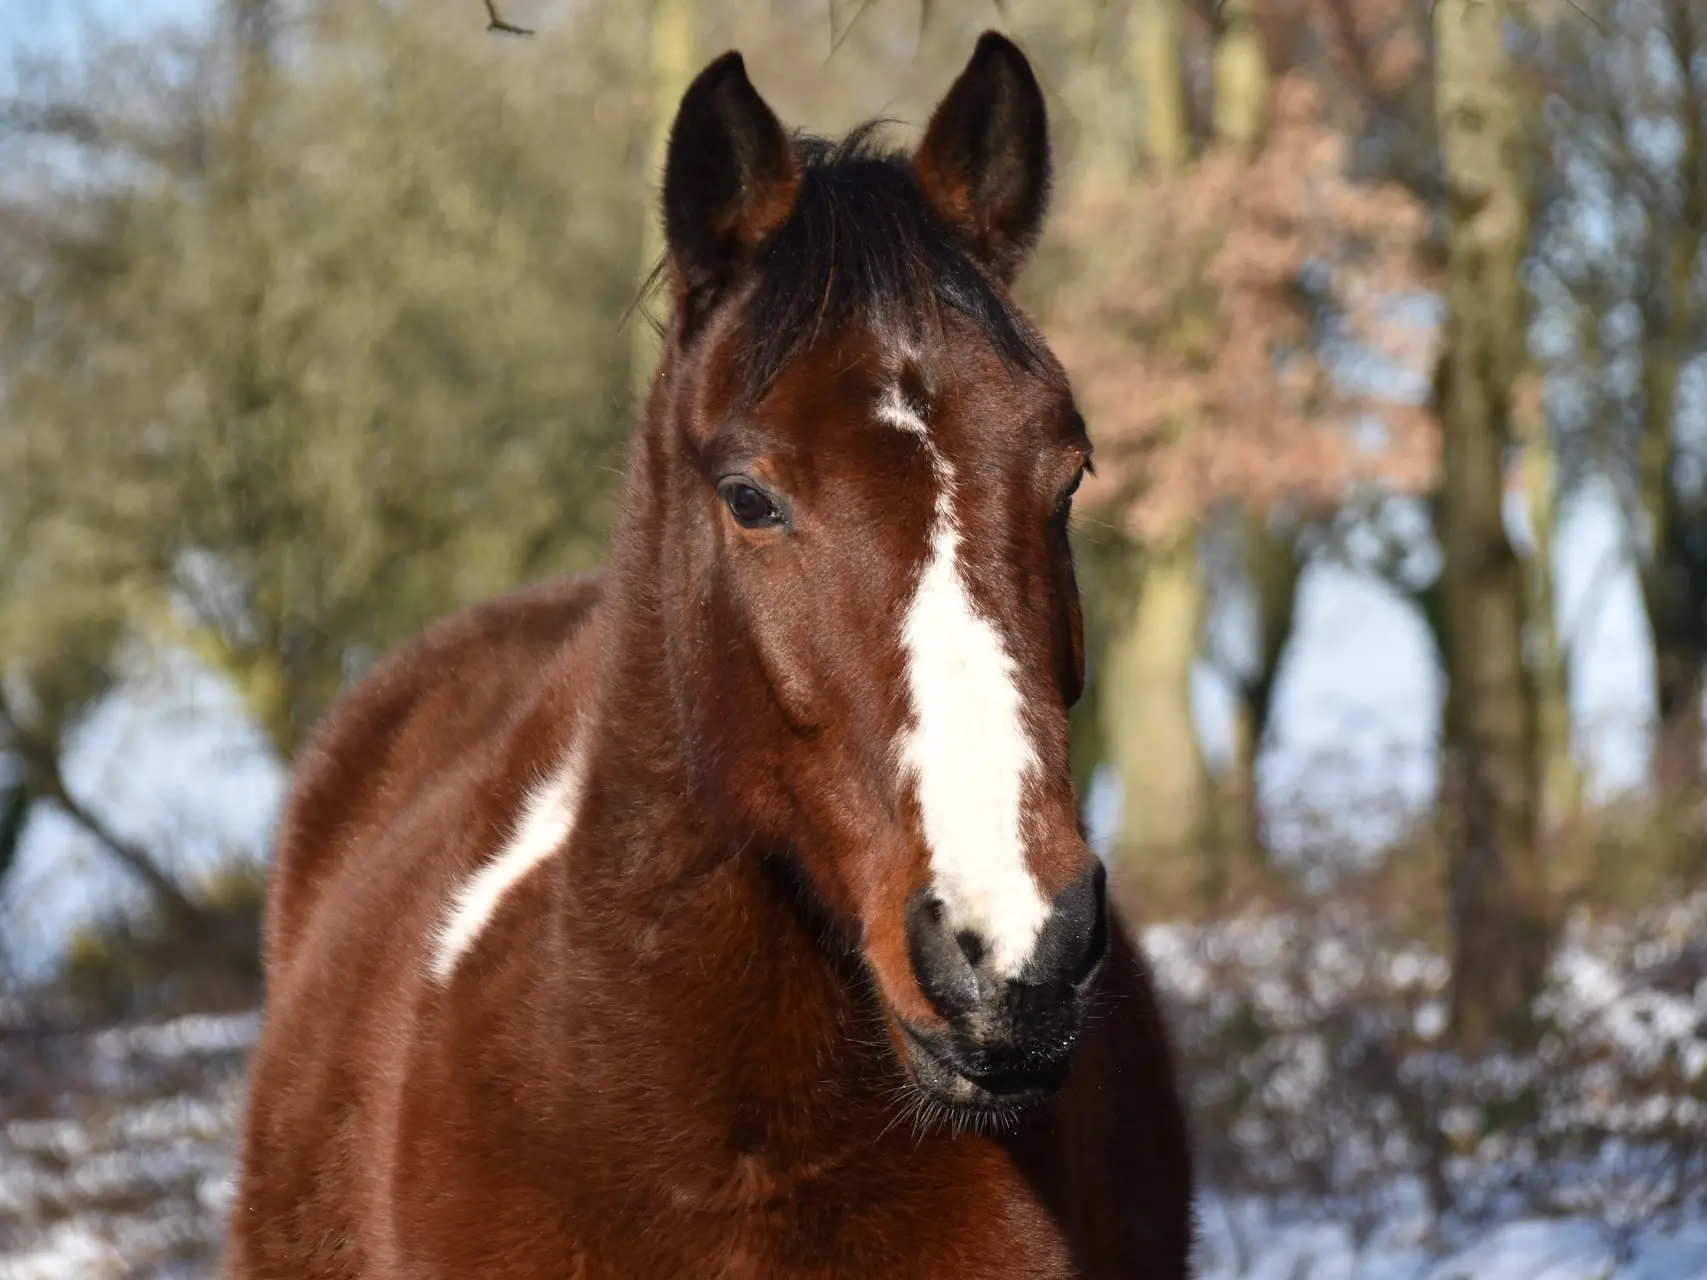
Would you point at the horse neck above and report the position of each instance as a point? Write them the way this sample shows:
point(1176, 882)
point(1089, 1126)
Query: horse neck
point(684, 916)
point(700, 977)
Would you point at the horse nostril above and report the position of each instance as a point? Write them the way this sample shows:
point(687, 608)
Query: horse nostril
point(1074, 939)
point(971, 946)
point(943, 962)
point(1098, 947)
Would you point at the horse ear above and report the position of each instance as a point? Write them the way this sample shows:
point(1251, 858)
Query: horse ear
point(730, 176)
point(984, 161)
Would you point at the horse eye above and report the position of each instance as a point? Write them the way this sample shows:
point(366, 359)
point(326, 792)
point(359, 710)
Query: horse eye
point(1066, 498)
point(751, 508)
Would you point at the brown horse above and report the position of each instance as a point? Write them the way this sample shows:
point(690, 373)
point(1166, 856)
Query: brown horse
point(728, 914)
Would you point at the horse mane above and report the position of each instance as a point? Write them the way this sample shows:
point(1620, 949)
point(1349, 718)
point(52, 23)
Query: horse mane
point(861, 244)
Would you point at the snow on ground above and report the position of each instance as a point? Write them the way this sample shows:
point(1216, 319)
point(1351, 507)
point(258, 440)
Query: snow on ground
point(1315, 1050)
point(116, 1144)
point(115, 1148)
point(1247, 1239)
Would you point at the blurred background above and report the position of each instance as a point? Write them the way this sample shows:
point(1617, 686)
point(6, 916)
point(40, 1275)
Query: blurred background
point(1389, 322)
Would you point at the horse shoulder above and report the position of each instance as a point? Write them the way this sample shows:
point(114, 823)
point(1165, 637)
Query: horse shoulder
point(456, 682)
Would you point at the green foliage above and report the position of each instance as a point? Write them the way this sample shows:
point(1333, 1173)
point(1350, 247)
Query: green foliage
point(334, 352)
point(1109, 567)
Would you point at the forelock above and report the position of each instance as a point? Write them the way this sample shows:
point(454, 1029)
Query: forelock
point(862, 246)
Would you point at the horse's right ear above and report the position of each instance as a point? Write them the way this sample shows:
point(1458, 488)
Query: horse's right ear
point(730, 178)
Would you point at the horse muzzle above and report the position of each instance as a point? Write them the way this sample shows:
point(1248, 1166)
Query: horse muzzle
point(1004, 1041)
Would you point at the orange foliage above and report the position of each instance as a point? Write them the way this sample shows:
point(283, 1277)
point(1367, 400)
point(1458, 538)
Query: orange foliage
point(1189, 336)
point(1375, 46)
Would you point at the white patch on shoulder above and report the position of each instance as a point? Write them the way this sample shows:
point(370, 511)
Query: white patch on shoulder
point(545, 823)
point(967, 752)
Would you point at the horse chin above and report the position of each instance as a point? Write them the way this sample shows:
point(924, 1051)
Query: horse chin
point(955, 1089)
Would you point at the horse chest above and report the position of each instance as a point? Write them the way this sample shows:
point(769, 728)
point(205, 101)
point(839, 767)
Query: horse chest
point(960, 1211)
point(861, 1223)
point(963, 1211)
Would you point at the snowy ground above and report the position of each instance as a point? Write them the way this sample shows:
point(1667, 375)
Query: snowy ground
point(115, 1147)
point(1250, 1240)
point(115, 1150)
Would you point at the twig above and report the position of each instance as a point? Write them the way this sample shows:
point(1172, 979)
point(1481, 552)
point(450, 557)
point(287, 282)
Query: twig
point(49, 783)
point(836, 38)
point(1593, 599)
point(496, 23)
point(1588, 17)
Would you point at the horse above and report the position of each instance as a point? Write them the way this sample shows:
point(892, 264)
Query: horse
point(728, 912)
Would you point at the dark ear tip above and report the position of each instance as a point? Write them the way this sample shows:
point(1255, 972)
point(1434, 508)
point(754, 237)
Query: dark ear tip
point(721, 73)
point(728, 66)
point(993, 42)
point(993, 45)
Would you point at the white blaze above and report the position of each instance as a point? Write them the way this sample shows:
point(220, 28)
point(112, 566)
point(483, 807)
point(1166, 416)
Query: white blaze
point(967, 752)
point(546, 821)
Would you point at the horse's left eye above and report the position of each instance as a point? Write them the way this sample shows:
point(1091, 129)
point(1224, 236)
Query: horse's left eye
point(751, 507)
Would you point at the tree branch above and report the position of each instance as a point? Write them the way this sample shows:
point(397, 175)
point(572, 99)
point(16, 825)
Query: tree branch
point(47, 781)
point(1600, 583)
point(496, 23)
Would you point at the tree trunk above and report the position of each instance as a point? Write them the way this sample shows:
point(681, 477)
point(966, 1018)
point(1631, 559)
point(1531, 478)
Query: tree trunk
point(1673, 590)
point(1561, 780)
point(1156, 40)
point(1156, 606)
point(1672, 576)
point(1146, 710)
point(1241, 74)
point(1148, 726)
point(1490, 800)
point(1241, 77)
point(1680, 734)
point(670, 42)
point(1272, 568)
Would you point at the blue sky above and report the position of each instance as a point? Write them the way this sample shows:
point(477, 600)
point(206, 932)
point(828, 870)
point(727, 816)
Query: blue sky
point(31, 25)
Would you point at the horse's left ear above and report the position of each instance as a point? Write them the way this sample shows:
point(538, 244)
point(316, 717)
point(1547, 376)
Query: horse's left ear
point(984, 161)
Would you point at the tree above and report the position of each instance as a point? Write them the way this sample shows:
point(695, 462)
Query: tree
point(299, 353)
point(1194, 319)
point(1491, 795)
point(1537, 481)
point(1673, 573)
point(1156, 601)
point(338, 352)
point(670, 65)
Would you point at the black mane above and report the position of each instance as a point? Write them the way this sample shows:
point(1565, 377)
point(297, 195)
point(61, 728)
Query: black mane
point(862, 245)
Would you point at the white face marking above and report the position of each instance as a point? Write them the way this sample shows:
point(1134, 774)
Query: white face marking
point(967, 752)
point(894, 410)
point(545, 823)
